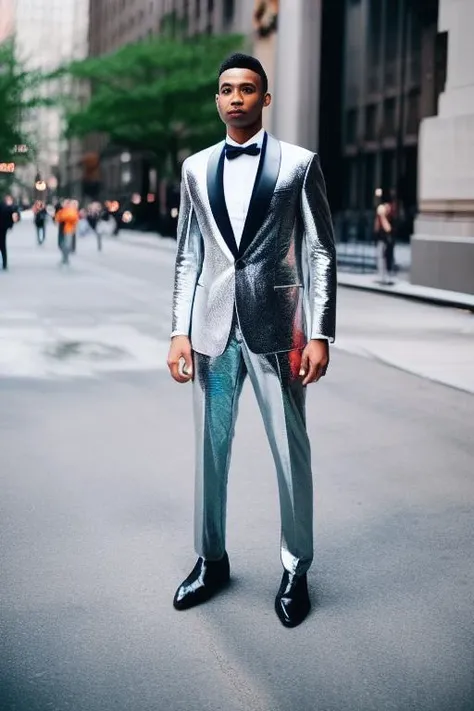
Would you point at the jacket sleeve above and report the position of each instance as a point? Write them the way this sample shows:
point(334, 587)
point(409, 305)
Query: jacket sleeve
point(188, 262)
point(319, 255)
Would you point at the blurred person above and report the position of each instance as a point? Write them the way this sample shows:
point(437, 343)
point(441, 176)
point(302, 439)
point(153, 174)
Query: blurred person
point(68, 217)
point(93, 219)
point(57, 208)
point(75, 206)
point(255, 294)
point(385, 240)
point(7, 220)
point(40, 217)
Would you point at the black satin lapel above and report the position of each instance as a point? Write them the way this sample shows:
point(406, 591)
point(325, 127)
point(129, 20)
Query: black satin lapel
point(215, 191)
point(262, 194)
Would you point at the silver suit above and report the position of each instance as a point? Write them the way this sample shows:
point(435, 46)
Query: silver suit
point(251, 310)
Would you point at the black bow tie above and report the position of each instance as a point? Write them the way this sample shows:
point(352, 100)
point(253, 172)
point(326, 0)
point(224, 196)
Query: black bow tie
point(232, 152)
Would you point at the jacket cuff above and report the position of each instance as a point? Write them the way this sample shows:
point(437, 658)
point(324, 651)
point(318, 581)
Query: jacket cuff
point(179, 333)
point(321, 337)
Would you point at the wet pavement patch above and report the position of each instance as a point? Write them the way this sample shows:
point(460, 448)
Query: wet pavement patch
point(85, 350)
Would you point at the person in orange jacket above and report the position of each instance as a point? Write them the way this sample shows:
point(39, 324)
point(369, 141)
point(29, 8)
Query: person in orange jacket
point(68, 217)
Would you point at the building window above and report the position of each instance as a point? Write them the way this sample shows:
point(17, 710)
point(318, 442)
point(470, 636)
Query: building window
point(371, 123)
point(388, 170)
point(369, 182)
point(229, 11)
point(413, 113)
point(351, 126)
point(389, 117)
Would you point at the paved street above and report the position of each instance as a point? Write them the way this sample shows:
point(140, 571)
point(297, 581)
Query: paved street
point(96, 458)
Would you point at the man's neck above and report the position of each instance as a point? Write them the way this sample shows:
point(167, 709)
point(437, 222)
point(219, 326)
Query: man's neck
point(242, 135)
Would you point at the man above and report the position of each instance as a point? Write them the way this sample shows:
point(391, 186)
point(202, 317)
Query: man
point(255, 288)
point(67, 217)
point(7, 220)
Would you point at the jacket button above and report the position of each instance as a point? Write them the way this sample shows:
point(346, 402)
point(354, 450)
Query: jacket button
point(239, 264)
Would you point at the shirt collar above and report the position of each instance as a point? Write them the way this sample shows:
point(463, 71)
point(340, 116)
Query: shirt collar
point(258, 139)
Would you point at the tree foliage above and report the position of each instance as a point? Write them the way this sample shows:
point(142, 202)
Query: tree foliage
point(156, 95)
point(19, 94)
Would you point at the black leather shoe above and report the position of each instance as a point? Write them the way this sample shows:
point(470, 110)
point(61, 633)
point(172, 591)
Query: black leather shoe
point(207, 578)
point(292, 601)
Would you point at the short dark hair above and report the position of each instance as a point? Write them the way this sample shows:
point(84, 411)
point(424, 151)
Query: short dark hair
point(245, 61)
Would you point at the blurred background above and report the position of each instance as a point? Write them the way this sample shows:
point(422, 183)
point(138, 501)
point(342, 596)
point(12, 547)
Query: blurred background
point(111, 95)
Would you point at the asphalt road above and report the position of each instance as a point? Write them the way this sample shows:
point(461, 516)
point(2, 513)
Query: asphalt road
point(96, 477)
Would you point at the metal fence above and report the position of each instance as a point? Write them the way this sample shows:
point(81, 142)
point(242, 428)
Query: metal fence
point(356, 247)
point(355, 243)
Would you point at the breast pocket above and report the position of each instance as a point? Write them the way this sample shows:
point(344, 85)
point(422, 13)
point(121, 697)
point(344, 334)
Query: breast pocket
point(288, 286)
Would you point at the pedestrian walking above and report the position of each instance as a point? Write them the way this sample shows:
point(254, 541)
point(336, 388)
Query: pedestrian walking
point(255, 294)
point(40, 217)
point(7, 220)
point(385, 241)
point(67, 217)
point(59, 206)
point(93, 220)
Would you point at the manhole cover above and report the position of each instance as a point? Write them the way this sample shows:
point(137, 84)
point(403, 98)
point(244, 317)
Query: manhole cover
point(89, 350)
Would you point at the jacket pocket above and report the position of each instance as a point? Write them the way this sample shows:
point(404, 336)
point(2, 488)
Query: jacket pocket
point(288, 286)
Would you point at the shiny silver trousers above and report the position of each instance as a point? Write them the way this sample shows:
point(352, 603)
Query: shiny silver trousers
point(275, 379)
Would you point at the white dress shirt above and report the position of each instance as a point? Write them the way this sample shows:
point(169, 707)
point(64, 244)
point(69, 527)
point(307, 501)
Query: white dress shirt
point(239, 179)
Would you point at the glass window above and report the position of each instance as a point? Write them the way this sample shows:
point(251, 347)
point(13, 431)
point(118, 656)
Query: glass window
point(371, 122)
point(229, 10)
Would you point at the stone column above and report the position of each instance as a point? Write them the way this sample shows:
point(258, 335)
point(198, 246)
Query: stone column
point(296, 87)
point(443, 243)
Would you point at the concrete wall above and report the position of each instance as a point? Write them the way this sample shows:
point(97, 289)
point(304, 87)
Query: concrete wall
point(446, 159)
point(296, 90)
point(444, 262)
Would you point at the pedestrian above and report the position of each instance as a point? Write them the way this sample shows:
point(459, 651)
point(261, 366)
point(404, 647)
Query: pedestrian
point(40, 217)
point(93, 218)
point(68, 217)
point(59, 206)
point(385, 241)
point(255, 294)
point(7, 220)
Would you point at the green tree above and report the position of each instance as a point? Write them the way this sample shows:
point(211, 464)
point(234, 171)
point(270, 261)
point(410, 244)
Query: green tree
point(19, 94)
point(156, 95)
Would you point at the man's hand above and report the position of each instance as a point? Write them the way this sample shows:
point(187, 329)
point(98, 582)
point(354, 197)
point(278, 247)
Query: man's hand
point(180, 348)
point(314, 361)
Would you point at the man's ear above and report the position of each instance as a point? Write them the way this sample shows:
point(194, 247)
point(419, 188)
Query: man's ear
point(267, 99)
point(217, 98)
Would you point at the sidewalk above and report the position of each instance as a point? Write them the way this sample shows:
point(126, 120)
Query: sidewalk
point(366, 282)
point(405, 290)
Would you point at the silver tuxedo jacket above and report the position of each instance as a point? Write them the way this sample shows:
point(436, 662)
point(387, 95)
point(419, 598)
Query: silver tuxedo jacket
point(281, 280)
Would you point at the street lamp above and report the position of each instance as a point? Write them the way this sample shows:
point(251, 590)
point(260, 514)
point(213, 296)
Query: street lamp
point(40, 185)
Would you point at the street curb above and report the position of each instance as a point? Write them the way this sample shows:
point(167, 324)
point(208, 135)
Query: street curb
point(434, 299)
point(402, 290)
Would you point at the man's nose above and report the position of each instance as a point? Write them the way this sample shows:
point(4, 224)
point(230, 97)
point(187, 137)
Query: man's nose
point(237, 99)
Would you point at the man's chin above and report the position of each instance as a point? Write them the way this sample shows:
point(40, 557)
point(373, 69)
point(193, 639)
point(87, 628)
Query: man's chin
point(238, 121)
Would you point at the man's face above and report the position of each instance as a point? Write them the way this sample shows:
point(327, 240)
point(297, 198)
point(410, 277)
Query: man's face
point(240, 100)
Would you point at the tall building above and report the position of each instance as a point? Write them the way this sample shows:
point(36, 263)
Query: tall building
point(394, 72)
point(47, 35)
point(114, 23)
point(443, 243)
point(7, 19)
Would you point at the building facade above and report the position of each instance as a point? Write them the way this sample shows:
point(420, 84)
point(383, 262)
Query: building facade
point(443, 243)
point(47, 35)
point(7, 19)
point(393, 73)
point(114, 23)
